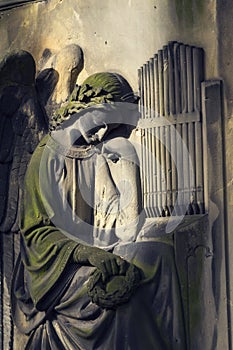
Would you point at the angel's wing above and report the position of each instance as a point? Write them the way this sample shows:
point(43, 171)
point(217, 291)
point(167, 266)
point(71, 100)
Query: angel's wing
point(23, 123)
point(58, 75)
point(23, 120)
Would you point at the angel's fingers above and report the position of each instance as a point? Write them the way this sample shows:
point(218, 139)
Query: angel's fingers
point(108, 268)
point(115, 267)
point(103, 269)
point(122, 266)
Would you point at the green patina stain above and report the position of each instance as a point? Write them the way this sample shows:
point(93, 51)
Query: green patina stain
point(187, 10)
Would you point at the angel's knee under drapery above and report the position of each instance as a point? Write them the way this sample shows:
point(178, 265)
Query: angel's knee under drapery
point(78, 196)
point(152, 319)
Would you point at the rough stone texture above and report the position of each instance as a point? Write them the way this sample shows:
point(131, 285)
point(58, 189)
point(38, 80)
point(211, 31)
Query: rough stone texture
point(195, 270)
point(58, 76)
point(225, 71)
point(214, 198)
point(114, 35)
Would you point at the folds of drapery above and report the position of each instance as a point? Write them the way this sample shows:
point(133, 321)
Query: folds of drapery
point(152, 319)
point(50, 230)
point(49, 291)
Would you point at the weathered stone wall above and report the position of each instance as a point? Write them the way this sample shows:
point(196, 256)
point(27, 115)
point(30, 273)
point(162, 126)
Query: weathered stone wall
point(117, 35)
point(225, 69)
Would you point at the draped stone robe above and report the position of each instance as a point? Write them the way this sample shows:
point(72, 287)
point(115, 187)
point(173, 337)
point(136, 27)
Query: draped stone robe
point(92, 196)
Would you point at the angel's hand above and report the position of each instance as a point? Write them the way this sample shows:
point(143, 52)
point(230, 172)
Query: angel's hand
point(108, 263)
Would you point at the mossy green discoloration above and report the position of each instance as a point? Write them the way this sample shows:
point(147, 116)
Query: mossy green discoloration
point(187, 10)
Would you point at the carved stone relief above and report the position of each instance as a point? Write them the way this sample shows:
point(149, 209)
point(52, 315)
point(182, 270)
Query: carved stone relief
point(113, 243)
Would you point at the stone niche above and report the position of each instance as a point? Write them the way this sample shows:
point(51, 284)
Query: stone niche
point(140, 41)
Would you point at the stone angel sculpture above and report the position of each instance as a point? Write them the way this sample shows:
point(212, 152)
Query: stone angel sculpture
point(84, 278)
point(24, 121)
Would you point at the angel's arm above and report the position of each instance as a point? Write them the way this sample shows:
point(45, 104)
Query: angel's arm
point(118, 193)
point(48, 254)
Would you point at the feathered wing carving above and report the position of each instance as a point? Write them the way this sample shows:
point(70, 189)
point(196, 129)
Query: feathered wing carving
point(24, 100)
point(58, 74)
point(23, 123)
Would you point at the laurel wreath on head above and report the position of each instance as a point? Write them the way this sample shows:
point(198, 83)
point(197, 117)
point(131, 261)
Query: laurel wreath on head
point(84, 96)
point(116, 290)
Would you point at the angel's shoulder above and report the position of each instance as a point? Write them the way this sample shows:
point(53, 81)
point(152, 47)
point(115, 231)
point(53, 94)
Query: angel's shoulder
point(35, 160)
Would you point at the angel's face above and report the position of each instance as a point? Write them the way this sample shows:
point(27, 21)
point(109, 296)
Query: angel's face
point(92, 126)
point(95, 125)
